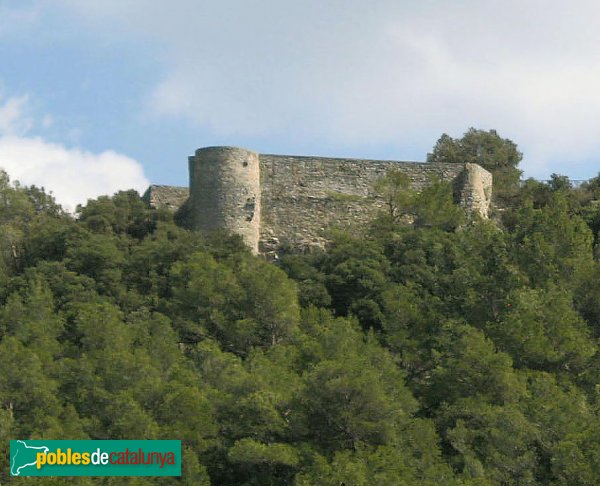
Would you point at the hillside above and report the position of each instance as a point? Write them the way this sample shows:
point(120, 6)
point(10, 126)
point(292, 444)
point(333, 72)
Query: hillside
point(435, 351)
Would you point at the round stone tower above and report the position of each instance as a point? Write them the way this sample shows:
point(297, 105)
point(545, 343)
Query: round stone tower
point(225, 192)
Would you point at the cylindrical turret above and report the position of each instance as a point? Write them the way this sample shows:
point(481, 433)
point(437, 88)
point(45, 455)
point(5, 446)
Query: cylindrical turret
point(225, 192)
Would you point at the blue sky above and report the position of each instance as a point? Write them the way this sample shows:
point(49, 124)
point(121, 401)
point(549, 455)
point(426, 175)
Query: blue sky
point(97, 96)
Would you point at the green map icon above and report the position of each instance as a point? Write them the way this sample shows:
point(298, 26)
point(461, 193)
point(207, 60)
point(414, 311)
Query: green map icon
point(23, 456)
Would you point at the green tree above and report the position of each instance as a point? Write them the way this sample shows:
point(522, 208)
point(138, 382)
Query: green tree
point(490, 442)
point(125, 212)
point(397, 193)
point(354, 391)
point(270, 300)
point(32, 320)
point(355, 277)
point(467, 365)
point(26, 390)
point(542, 331)
point(550, 244)
point(498, 155)
point(434, 206)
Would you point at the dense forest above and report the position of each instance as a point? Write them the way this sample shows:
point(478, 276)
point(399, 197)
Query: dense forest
point(426, 349)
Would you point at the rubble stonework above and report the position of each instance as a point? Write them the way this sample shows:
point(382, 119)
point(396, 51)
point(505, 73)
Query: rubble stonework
point(166, 197)
point(278, 201)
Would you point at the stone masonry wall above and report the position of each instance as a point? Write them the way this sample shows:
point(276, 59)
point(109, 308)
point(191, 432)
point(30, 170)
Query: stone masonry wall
point(303, 197)
point(279, 201)
point(476, 189)
point(166, 197)
point(225, 192)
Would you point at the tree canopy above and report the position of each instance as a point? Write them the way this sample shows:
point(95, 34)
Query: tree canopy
point(416, 351)
point(488, 149)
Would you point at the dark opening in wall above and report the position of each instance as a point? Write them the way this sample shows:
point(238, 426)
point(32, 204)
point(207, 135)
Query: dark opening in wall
point(249, 208)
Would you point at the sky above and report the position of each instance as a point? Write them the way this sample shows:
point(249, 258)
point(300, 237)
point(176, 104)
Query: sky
point(99, 96)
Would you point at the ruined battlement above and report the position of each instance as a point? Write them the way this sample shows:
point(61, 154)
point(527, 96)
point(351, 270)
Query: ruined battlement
point(283, 200)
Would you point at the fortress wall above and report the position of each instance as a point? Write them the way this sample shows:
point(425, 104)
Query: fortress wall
point(225, 192)
point(276, 201)
point(304, 196)
point(170, 198)
point(476, 192)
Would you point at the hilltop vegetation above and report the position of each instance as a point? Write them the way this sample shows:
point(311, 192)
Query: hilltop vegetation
point(438, 352)
point(498, 155)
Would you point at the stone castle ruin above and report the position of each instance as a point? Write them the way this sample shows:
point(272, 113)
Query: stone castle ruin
point(278, 201)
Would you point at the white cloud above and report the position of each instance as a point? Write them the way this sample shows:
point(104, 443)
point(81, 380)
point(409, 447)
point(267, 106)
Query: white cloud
point(383, 72)
point(73, 175)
